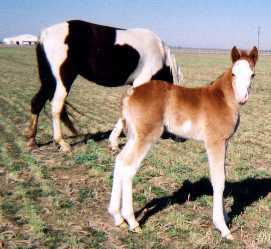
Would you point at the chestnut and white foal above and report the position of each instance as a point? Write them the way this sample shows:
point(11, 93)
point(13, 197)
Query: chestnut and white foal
point(209, 114)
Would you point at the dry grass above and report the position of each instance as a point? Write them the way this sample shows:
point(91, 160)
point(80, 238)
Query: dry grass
point(52, 200)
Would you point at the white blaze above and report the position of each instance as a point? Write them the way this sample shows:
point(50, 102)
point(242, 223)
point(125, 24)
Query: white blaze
point(242, 80)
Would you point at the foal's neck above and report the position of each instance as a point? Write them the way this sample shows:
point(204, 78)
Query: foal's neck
point(224, 84)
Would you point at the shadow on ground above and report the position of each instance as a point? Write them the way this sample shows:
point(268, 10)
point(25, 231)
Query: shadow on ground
point(83, 138)
point(102, 135)
point(244, 193)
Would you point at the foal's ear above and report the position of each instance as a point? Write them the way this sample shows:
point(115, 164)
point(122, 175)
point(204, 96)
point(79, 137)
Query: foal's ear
point(253, 55)
point(235, 54)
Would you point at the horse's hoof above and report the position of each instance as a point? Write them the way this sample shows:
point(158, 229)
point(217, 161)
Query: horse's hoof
point(65, 147)
point(123, 225)
point(31, 145)
point(136, 230)
point(229, 237)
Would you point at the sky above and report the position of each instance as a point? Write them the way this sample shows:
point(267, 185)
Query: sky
point(185, 23)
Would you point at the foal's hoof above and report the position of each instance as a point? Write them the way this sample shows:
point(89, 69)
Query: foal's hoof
point(119, 222)
point(136, 230)
point(114, 149)
point(123, 225)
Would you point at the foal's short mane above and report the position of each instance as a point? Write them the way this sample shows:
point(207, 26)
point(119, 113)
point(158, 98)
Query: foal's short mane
point(219, 77)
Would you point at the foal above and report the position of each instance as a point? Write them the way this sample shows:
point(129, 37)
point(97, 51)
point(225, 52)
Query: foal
point(209, 114)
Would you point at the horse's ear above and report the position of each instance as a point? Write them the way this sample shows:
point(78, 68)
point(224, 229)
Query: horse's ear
point(253, 55)
point(235, 54)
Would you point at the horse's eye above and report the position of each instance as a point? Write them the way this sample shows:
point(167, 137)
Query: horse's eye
point(233, 75)
point(253, 75)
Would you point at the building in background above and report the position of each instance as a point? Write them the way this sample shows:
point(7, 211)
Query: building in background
point(21, 40)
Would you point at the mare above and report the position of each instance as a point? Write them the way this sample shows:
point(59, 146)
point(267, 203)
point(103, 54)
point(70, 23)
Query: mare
point(105, 55)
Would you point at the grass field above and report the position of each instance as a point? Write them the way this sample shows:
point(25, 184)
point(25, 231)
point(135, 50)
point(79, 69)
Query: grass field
point(49, 199)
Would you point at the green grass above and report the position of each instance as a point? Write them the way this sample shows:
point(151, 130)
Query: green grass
point(53, 200)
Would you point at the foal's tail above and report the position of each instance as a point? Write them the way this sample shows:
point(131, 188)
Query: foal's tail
point(175, 69)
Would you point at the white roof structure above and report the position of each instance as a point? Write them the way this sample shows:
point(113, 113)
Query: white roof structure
point(21, 40)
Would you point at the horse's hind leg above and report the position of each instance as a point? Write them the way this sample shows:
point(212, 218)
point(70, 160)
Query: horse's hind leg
point(37, 103)
point(57, 105)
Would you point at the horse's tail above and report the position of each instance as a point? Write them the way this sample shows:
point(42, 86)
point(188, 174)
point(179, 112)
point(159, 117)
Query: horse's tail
point(65, 118)
point(175, 69)
point(47, 79)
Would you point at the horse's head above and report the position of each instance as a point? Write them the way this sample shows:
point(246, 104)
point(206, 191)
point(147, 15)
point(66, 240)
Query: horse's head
point(243, 72)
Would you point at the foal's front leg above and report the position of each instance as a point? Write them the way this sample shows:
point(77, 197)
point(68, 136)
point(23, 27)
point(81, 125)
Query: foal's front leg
point(216, 155)
point(115, 201)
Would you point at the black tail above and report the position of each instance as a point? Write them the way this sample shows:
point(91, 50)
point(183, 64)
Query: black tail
point(47, 89)
point(67, 121)
point(48, 81)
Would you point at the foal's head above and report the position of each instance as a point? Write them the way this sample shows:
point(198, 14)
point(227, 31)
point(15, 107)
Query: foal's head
point(243, 72)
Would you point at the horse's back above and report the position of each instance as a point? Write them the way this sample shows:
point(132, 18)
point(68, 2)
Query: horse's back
point(106, 55)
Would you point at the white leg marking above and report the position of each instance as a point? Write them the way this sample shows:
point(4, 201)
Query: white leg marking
point(127, 196)
point(113, 138)
point(127, 164)
point(114, 206)
point(135, 153)
point(216, 156)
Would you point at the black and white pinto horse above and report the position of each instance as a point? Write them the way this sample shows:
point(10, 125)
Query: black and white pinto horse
point(105, 55)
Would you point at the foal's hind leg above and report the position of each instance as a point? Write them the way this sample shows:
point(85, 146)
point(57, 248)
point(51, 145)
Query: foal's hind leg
point(131, 164)
point(127, 164)
point(113, 138)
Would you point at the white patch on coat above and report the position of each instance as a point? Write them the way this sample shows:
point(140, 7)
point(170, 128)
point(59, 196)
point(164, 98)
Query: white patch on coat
point(187, 129)
point(153, 54)
point(53, 41)
point(241, 80)
point(186, 126)
point(151, 51)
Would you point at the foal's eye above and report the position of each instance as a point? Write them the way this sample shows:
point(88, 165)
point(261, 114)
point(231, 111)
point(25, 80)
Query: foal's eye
point(253, 75)
point(233, 75)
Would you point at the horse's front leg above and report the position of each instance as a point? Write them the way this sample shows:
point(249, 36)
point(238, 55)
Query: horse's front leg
point(216, 156)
